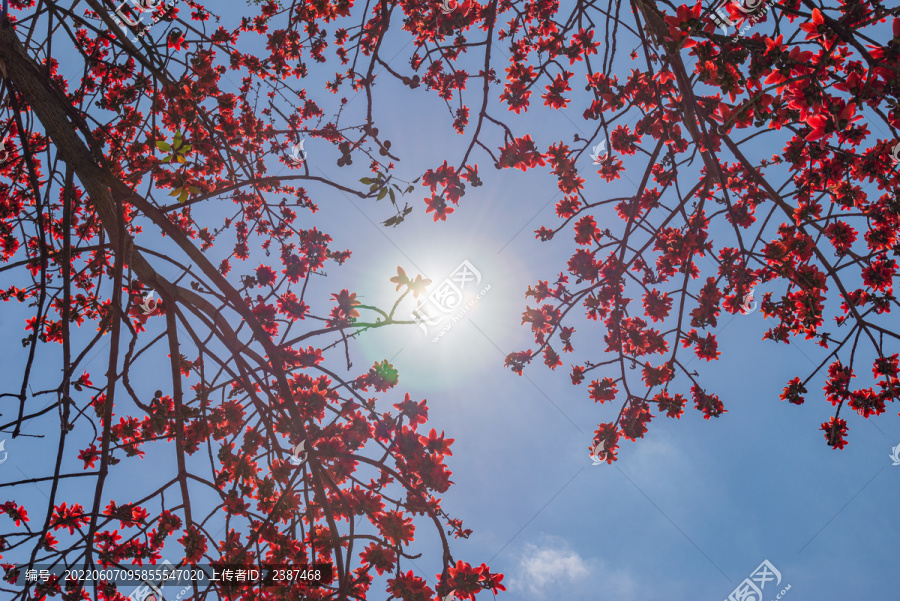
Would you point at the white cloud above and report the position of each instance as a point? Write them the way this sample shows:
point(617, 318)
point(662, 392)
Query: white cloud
point(657, 455)
point(554, 569)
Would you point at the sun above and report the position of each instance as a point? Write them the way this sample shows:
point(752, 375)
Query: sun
point(460, 325)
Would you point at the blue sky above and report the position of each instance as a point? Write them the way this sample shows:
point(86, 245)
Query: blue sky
point(686, 513)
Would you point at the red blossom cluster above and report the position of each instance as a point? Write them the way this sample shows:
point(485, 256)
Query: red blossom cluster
point(695, 247)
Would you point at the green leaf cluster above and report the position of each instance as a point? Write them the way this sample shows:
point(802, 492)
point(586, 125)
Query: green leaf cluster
point(178, 150)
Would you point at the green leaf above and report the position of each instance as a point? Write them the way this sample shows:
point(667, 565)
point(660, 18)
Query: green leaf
point(366, 180)
point(393, 197)
point(387, 372)
point(163, 146)
point(383, 193)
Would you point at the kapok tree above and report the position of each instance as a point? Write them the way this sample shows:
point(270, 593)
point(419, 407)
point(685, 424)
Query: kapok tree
point(139, 217)
point(154, 117)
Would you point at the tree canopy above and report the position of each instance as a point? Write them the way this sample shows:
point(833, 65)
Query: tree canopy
point(153, 189)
